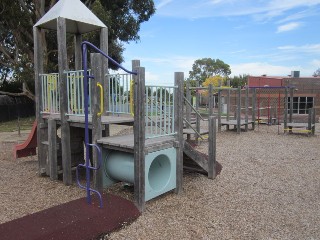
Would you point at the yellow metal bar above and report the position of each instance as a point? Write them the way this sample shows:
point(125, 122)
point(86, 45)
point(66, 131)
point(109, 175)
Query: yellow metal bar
point(101, 99)
point(296, 130)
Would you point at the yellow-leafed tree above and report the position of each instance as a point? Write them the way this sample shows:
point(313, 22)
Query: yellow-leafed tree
point(214, 80)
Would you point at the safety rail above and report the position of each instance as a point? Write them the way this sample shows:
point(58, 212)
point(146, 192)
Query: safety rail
point(50, 93)
point(120, 93)
point(75, 91)
point(160, 112)
point(195, 110)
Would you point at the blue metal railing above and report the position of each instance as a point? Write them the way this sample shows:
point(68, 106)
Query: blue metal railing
point(86, 76)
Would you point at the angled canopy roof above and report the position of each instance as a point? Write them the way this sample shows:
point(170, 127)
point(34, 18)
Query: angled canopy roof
point(79, 19)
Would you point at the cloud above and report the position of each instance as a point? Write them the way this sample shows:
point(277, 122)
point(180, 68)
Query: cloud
point(260, 68)
point(307, 48)
point(299, 15)
point(163, 3)
point(260, 10)
point(288, 27)
point(316, 63)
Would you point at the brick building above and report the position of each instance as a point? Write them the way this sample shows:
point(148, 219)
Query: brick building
point(306, 89)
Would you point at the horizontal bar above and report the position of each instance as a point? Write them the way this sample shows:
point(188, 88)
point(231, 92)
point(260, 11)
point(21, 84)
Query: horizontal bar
point(214, 88)
point(162, 86)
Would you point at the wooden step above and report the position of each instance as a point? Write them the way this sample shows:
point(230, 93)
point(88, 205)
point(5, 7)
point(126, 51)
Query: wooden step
point(199, 158)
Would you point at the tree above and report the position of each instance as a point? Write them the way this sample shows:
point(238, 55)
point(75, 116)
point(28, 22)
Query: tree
point(207, 67)
point(316, 73)
point(123, 18)
point(239, 81)
point(216, 81)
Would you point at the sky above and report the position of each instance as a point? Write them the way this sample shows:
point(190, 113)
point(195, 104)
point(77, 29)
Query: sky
point(254, 37)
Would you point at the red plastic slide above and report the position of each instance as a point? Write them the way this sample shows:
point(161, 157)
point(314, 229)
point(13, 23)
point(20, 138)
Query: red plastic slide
point(29, 147)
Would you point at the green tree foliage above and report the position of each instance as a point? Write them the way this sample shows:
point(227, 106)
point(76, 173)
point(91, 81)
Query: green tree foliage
point(316, 73)
point(122, 17)
point(207, 67)
point(238, 81)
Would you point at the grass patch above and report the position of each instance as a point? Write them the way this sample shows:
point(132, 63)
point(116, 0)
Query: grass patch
point(11, 126)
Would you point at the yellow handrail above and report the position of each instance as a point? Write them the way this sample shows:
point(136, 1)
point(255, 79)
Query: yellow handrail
point(101, 99)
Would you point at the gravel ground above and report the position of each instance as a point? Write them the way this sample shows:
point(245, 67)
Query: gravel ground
point(269, 188)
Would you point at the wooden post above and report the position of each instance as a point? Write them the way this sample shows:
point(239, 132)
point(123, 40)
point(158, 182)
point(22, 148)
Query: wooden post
point(228, 102)
point(97, 72)
point(239, 111)
point(65, 128)
point(212, 148)
point(197, 108)
point(291, 104)
point(178, 125)
point(77, 52)
point(139, 138)
point(188, 107)
point(247, 108)
point(52, 139)
point(313, 120)
point(285, 120)
point(210, 99)
point(309, 121)
point(219, 110)
point(42, 134)
point(253, 111)
point(104, 48)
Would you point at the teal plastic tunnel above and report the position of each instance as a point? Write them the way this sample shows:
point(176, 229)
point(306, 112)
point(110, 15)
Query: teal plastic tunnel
point(160, 170)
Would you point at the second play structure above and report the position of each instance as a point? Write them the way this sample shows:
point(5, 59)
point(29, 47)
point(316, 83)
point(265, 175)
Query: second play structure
point(223, 97)
point(85, 103)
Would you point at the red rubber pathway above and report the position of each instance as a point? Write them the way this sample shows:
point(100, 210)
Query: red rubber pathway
point(72, 220)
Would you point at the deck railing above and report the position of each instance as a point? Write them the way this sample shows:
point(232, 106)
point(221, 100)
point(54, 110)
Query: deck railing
point(75, 91)
point(50, 93)
point(159, 111)
point(120, 93)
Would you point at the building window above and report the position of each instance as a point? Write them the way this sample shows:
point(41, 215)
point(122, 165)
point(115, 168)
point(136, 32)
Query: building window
point(300, 104)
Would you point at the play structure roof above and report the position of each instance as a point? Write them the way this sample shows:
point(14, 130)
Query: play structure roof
point(79, 19)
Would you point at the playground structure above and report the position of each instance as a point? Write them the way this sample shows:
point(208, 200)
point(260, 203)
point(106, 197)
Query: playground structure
point(299, 126)
point(84, 103)
point(225, 94)
point(274, 105)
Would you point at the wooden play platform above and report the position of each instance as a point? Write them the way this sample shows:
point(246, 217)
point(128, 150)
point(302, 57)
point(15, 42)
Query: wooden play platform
point(235, 123)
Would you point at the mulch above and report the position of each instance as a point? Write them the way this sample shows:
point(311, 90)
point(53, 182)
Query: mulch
point(73, 220)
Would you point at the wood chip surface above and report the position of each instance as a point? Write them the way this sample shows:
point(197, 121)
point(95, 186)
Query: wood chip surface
point(269, 188)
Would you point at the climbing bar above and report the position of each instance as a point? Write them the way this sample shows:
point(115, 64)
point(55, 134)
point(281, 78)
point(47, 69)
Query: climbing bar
point(106, 56)
point(88, 169)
